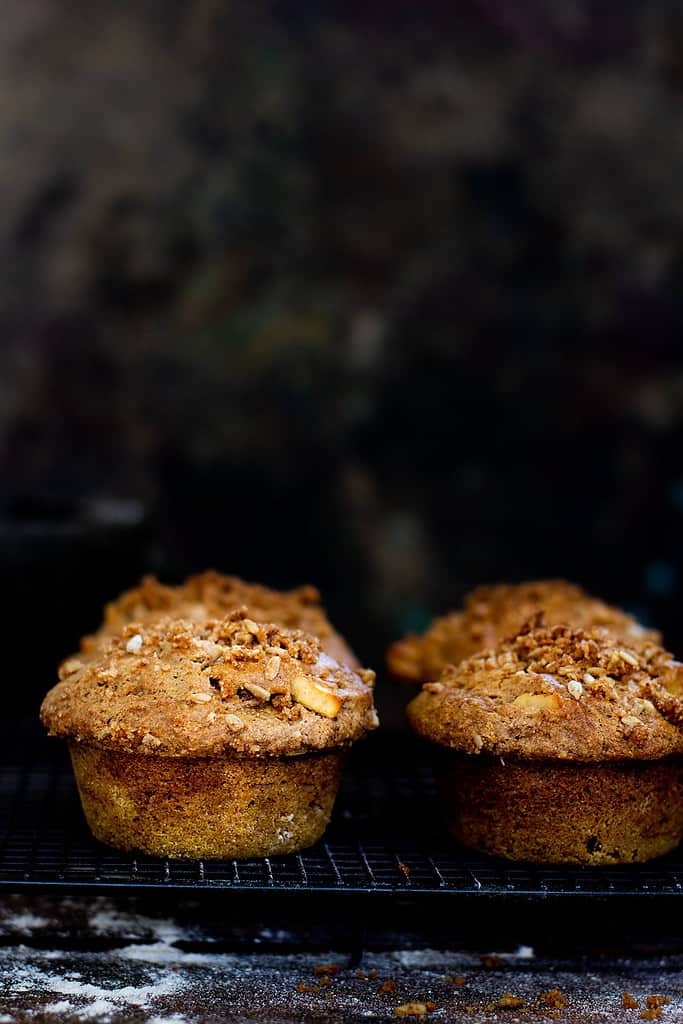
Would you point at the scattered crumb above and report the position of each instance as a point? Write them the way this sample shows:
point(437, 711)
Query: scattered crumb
point(404, 869)
point(388, 986)
point(303, 987)
point(652, 1002)
point(360, 973)
point(653, 1014)
point(372, 975)
point(459, 980)
point(509, 1002)
point(628, 1002)
point(414, 1009)
point(326, 969)
point(555, 999)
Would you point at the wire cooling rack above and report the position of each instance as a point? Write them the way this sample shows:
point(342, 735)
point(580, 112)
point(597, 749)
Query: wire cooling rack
point(385, 838)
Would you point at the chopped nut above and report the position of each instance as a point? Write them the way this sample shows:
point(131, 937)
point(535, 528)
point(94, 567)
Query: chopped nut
point(628, 1002)
point(303, 987)
point(629, 658)
point(326, 969)
point(652, 1002)
point(388, 986)
point(134, 644)
point(251, 626)
point(211, 717)
point(316, 697)
point(575, 688)
point(588, 678)
point(433, 687)
point(654, 1013)
point(535, 702)
point(272, 667)
point(69, 667)
point(150, 740)
point(258, 691)
point(234, 722)
point(630, 722)
point(197, 697)
point(367, 676)
point(478, 741)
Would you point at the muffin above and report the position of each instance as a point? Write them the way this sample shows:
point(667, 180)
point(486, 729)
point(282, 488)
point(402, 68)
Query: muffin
point(212, 595)
point(492, 613)
point(219, 739)
point(564, 746)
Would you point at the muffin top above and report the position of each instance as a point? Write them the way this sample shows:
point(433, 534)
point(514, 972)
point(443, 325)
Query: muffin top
point(555, 692)
point(178, 688)
point(210, 595)
point(492, 613)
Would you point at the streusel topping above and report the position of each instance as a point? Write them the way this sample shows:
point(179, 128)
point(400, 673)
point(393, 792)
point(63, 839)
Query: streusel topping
point(211, 595)
point(180, 687)
point(492, 613)
point(558, 692)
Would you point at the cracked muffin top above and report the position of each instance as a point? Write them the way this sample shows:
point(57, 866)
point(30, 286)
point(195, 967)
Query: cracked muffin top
point(492, 613)
point(180, 688)
point(210, 595)
point(557, 693)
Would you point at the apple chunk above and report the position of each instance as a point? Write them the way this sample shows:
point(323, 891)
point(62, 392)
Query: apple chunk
point(537, 702)
point(316, 697)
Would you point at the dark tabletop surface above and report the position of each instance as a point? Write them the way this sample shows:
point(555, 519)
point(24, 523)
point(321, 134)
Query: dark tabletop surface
point(115, 960)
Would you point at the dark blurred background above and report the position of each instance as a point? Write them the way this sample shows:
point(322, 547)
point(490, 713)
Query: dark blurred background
point(382, 296)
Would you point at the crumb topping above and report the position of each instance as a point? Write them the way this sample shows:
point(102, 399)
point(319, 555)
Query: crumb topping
point(175, 684)
point(212, 595)
point(493, 613)
point(589, 658)
point(558, 692)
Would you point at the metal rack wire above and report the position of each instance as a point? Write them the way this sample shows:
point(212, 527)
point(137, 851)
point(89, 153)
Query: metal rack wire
point(385, 838)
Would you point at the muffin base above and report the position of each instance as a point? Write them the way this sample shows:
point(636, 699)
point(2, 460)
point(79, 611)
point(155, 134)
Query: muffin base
point(217, 807)
point(554, 813)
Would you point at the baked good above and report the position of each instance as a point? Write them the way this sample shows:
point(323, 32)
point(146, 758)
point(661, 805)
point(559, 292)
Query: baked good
point(492, 613)
point(218, 739)
point(212, 595)
point(565, 746)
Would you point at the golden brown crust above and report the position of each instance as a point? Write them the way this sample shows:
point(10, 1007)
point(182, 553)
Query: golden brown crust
point(206, 807)
point(557, 693)
point(553, 813)
point(211, 595)
point(492, 613)
point(177, 688)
